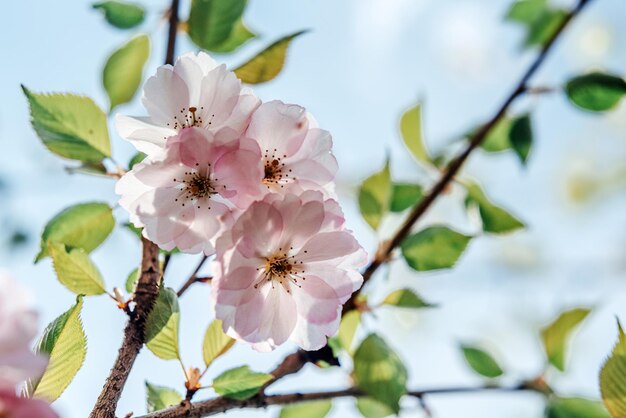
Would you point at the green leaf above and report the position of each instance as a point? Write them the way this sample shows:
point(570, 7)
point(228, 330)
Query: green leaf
point(347, 330)
point(374, 196)
point(494, 218)
point(64, 342)
point(212, 23)
point(215, 342)
point(521, 137)
point(481, 361)
point(267, 64)
point(315, 409)
point(405, 298)
point(596, 92)
point(411, 130)
point(161, 397)
point(137, 158)
point(70, 126)
point(555, 336)
point(405, 195)
point(240, 383)
point(122, 15)
point(612, 377)
point(162, 326)
point(371, 408)
point(437, 247)
point(75, 270)
point(379, 372)
point(540, 20)
point(526, 11)
point(239, 36)
point(497, 139)
point(575, 408)
point(85, 226)
point(123, 70)
point(131, 281)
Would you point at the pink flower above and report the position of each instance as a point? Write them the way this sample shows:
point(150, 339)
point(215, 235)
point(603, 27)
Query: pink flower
point(13, 406)
point(284, 270)
point(296, 153)
point(196, 91)
point(18, 327)
point(184, 196)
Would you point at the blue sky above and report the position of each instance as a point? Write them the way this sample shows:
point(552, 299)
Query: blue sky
point(362, 64)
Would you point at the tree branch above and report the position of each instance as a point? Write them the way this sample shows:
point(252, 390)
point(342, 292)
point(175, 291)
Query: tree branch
point(193, 278)
point(146, 293)
point(221, 404)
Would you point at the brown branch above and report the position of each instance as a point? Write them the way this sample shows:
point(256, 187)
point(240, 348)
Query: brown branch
point(221, 404)
point(194, 277)
point(146, 293)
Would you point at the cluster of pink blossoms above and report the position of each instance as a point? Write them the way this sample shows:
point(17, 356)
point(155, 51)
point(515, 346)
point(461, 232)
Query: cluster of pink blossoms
point(18, 326)
point(252, 183)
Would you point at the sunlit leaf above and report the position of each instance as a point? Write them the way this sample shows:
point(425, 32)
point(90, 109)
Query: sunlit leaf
point(494, 218)
point(161, 397)
point(596, 91)
point(268, 63)
point(123, 70)
point(121, 14)
point(497, 139)
point(240, 383)
point(411, 130)
point(521, 137)
point(371, 408)
point(576, 408)
point(85, 226)
point(405, 298)
point(613, 377)
point(162, 326)
point(347, 330)
point(315, 409)
point(131, 281)
point(375, 195)
point(215, 342)
point(70, 126)
point(434, 248)
point(212, 22)
point(75, 270)
point(379, 372)
point(481, 361)
point(238, 36)
point(64, 342)
point(405, 195)
point(556, 335)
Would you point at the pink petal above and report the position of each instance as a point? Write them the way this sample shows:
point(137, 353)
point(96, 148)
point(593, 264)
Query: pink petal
point(328, 246)
point(165, 95)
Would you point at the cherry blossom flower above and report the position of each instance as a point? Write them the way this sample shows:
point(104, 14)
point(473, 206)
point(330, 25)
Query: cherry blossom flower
point(296, 153)
point(13, 406)
point(18, 327)
point(186, 195)
point(195, 91)
point(284, 270)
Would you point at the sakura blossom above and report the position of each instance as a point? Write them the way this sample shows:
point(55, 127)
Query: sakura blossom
point(188, 193)
point(14, 406)
point(195, 91)
point(284, 270)
point(296, 153)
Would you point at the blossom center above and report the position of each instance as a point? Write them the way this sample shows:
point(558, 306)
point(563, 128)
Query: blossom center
point(282, 268)
point(196, 185)
point(188, 117)
point(275, 172)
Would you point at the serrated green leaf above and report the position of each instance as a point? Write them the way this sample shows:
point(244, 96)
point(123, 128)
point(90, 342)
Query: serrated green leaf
point(375, 196)
point(315, 409)
point(405, 298)
point(131, 281)
point(64, 342)
point(267, 64)
point(481, 362)
point(495, 219)
point(212, 22)
point(411, 130)
point(576, 408)
point(70, 126)
point(162, 326)
point(215, 342)
point(521, 137)
point(556, 335)
point(612, 377)
point(239, 36)
point(371, 408)
point(436, 247)
point(123, 70)
point(240, 383)
point(596, 91)
point(405, 195)
point(161, 397)
point(85, 226)
point(75, 270)
point(379, 372)
point(122, 15)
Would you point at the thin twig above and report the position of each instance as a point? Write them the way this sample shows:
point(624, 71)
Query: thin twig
point(221, 404)
point(193, 278)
